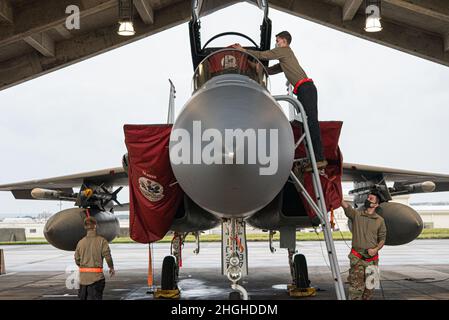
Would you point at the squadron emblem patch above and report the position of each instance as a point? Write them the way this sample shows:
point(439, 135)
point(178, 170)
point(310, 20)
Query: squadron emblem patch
point(150, 189)
point(229, 61)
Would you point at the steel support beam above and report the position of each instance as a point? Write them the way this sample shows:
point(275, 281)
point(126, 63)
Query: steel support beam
point(350, 9)
point(145, 10)
point(6, 11)
point(39, 17)
point(87, 45)
point(43, 43)
point(429, 12)
point(19, 69)
point(446, 43)
point(407, 39)
point(62, 31)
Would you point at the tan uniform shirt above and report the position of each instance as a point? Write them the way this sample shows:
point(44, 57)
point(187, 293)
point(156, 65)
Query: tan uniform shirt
point(89, 253)
point(287, 63)
point(367, 229)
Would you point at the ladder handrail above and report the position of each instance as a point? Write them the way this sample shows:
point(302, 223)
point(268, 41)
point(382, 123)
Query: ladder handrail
point(339, 288)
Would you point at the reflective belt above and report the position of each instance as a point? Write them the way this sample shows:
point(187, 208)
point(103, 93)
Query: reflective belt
point(94, 270)
point(358, 255)
point(300, 82)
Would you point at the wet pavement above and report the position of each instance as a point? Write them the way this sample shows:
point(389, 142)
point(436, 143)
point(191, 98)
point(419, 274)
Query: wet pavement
point(419, 270)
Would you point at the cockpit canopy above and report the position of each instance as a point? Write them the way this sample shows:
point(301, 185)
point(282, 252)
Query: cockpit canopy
point(229, 61)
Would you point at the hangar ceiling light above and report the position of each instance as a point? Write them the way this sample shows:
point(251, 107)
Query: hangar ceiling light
point(373, 16)
point(125, 13)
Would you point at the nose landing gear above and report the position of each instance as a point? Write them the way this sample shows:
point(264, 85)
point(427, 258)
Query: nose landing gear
point(235, 263)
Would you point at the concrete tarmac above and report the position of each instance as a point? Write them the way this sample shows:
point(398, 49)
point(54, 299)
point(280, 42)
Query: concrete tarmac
point(419, 270)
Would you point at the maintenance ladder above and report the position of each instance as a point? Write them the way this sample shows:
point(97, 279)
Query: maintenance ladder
point(319, 207)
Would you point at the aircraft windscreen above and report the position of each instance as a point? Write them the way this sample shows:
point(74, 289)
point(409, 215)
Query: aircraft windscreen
point(229, 61)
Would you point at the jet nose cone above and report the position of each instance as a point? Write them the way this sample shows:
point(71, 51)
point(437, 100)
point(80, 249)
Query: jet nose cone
point(232, 148)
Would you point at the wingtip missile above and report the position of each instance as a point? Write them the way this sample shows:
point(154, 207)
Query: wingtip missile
point(46, 194)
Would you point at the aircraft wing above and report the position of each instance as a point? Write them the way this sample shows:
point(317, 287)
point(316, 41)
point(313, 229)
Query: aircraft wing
point(109, 177)
point(359, 172)
point(118, 177)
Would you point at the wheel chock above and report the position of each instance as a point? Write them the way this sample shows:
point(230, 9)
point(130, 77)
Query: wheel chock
point(301, 292)
point(167, 294)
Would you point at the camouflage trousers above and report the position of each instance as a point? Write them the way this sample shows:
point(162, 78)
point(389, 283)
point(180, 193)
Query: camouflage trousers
point(357, 279)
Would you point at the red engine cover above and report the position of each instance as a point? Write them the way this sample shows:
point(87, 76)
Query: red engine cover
point(153, 196)
point(331, 181)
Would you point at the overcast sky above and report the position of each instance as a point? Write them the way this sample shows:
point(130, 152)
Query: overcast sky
point(395, 106)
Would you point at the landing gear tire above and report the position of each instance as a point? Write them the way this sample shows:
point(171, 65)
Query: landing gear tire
point(301, 272)
point(169, 276)
point(235, 296)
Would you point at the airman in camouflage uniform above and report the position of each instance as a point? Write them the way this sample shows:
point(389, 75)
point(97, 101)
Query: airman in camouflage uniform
point(357, 279)
point(368, 237)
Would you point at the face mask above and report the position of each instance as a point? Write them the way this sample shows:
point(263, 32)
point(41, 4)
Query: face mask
point(368, 204)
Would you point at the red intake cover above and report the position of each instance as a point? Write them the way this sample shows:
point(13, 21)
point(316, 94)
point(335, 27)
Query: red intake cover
point(331, 182)
point(153, 201)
